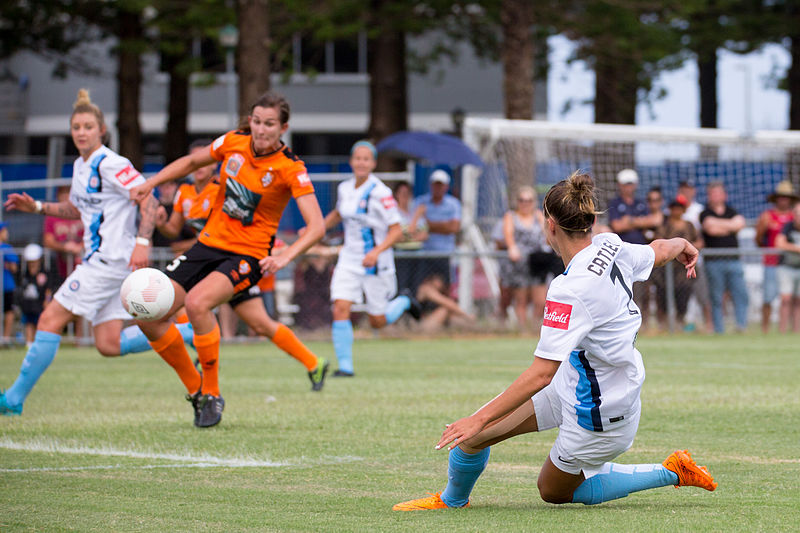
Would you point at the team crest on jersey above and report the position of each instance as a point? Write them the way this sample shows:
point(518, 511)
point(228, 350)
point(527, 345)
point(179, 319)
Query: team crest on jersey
point(303, 179)
point(127, 175)
point(74, 285)
point(266, 179)
point(556, 315)
point(187, 205)
point(94, 182)
point(205, 204)
point(234, 164)
point(244, 267)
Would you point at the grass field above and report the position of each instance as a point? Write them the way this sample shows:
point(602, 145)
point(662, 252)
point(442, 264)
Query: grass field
point(108, 445)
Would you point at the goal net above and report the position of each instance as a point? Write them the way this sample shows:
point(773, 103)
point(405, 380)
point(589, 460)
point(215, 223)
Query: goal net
point(539, 154)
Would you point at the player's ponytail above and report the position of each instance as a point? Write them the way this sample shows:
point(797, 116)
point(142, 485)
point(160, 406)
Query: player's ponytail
point(83, 104)
point(572, 204)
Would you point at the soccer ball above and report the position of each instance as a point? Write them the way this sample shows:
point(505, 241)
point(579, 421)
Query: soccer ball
point(147, 294)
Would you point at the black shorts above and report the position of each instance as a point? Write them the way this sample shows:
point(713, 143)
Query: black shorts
point(199, 261)
point(249, 294)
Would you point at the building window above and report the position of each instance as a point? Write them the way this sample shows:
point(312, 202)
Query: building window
point(343, 56)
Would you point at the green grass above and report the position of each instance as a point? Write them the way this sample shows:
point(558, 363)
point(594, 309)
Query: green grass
point(338, 460)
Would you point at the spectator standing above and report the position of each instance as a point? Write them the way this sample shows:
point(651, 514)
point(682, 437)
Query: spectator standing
point(10, 269)
point(525, 273)
point(675, 226)
point(64, 236)
point(788, 240)
point(687, 190)
point(628, 218)
point(721, 224)
point(442, 214)
point(36, 289)
point(770, 224)
point(412, 238)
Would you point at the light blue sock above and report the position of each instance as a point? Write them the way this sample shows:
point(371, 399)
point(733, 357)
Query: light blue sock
point(396, 308)
point(463, 471)
point(342, 333)
point(617, 481)
point(132, 340)
point(38, 358)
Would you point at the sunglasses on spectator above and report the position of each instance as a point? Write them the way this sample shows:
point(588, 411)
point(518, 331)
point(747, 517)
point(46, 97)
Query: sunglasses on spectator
point(524, 199)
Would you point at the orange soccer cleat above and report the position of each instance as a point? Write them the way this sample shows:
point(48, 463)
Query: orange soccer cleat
point(434, 501)
point(689, 474)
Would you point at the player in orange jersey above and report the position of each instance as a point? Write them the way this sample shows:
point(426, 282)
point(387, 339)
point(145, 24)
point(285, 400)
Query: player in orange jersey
point(258, 176)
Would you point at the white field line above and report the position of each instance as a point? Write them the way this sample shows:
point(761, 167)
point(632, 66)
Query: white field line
point(108, 467)
point(198, 461)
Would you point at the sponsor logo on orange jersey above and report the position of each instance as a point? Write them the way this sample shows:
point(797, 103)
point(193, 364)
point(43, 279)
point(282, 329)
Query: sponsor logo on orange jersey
point(303, 179)
point(266, 179)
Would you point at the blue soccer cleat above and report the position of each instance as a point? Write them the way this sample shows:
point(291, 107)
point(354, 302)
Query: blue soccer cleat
point(9, 410)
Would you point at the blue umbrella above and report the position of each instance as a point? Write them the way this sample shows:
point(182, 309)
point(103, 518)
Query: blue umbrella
point(436, 148)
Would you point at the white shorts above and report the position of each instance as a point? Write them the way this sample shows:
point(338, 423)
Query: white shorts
point(93, 293)
point(789, 280)
point(353, 287)
point(577, 449)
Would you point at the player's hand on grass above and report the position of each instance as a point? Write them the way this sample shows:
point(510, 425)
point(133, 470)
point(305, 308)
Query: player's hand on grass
point(459, 431)
point(20, 202)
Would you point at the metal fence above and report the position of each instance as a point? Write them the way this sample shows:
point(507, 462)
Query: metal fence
point(671, 302)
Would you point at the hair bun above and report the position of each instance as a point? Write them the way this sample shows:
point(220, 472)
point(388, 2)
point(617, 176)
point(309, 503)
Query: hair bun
point(83, 99)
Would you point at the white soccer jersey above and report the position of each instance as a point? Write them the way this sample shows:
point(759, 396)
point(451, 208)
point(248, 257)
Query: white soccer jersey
point(100, 191)
point(367, 212)
point(591, 321)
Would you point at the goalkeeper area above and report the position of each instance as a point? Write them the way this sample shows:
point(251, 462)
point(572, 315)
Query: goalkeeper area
point(108, 445)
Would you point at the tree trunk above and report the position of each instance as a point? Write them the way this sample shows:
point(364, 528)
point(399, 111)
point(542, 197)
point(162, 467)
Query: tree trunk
point(707, 78)
point(177, 137)
point(253, 58)
point(614, 103)
point(388, 86)
point(616, 86)
point(518, 56)
point(793, 78)
point(129, 79)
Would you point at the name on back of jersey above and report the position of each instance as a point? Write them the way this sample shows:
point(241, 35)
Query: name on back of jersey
point(556, 314)
point(604, 257)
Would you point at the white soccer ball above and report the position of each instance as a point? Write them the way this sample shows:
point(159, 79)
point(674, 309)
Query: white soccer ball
point(147, 294)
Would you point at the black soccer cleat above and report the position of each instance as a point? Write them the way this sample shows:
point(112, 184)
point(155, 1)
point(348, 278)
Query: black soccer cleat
point(317, 376)
point(343, 374)
point(415, 309)
point(194, 399)
point(209, 411)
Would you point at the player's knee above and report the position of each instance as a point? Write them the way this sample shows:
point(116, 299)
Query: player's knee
point(377, 321)
point(552, 496)
point(107, 349)
point(196, 304)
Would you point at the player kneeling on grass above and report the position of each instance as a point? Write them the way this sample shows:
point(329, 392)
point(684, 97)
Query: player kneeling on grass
point(100, 197)
point(586, 375)
point(368, 211)
point(258, 176)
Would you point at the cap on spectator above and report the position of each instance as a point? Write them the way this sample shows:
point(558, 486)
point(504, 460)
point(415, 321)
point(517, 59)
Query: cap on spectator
point(680, 201)
point(32, 252)
point(440, 176)
point(627, 175)
point(785, 189)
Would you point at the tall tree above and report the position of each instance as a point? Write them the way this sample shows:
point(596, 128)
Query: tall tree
point(253, 52)
point(130, 33)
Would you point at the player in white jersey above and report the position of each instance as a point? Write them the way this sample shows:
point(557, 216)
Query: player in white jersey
point(586, 374)
point(365, 269)
point(99, 196)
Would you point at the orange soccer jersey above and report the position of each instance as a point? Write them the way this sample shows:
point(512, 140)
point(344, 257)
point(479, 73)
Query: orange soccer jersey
point(254, 191)
point(195, 207)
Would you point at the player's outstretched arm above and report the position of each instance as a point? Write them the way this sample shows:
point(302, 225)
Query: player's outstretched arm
point(668, 249)
point(532, 380)
point(23, 202)
point(141, 252)
point(183, 166)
